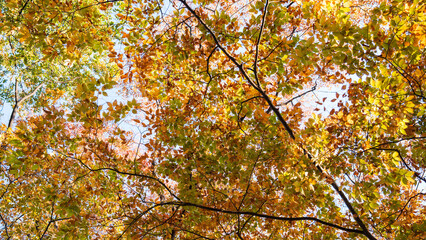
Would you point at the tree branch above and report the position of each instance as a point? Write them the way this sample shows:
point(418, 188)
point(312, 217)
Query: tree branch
point(219, 45)
point(256, 56)
point(120, 172)
point(183, 204)
point(252, 214)
point(302, 94)
point(22, 9)
point(402, 209)
point(50, 221)
point(208, 71)
point(403, 161)
point(5, 227)
point(137, 218)
point(19, 101)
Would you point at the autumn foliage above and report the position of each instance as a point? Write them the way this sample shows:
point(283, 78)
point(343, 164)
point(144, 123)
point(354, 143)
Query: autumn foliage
point(213, 119)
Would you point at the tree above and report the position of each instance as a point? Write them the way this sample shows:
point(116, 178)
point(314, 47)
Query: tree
point(229, 145)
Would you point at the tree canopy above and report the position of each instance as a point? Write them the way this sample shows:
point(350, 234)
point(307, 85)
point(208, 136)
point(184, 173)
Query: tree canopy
point(181, 119)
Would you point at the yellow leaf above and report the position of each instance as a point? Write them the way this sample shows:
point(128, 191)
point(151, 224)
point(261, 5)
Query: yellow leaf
point(395, 155)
